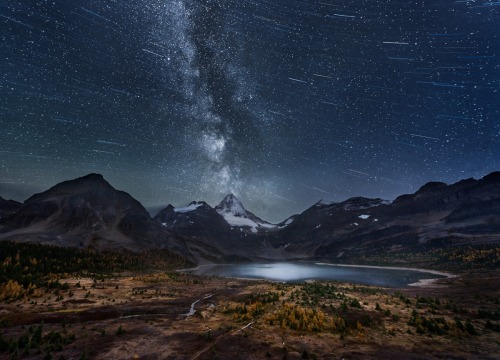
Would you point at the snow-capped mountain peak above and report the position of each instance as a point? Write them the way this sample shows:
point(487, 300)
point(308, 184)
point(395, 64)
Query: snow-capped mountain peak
point(230, 204)
point(232, 210)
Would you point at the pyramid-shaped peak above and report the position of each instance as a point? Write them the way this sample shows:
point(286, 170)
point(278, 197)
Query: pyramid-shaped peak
point(232, 210)
point(88, 186)
point(231, 204)
point(230, 197)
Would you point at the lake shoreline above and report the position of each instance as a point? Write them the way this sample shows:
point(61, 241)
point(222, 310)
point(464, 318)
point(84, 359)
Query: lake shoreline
point(428, 282)
point(420, 283)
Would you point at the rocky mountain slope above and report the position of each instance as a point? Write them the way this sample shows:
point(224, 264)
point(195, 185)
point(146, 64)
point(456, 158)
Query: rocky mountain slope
point(233, 212)
point(7, 208)
point(88, 212)
point(436, 215)
point(227, 232)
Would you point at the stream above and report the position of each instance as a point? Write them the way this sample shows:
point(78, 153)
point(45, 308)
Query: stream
point(192, 311)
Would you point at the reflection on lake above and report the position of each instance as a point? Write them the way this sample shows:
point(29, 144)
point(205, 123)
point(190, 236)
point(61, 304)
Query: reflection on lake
point(296, 272)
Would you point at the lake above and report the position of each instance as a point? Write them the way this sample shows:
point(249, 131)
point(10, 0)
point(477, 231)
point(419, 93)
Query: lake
point(298, 272)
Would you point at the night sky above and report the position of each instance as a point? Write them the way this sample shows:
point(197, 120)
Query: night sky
point(280, 102)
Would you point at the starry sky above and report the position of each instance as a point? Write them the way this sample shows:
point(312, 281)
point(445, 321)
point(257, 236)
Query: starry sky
point(280, 102)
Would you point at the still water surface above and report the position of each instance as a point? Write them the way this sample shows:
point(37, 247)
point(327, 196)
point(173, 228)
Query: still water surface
point(297, 272)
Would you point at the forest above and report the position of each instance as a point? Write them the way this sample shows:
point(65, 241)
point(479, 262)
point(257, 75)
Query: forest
point(27, 267)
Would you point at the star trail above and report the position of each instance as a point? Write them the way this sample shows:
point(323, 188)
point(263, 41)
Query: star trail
point(282, 103)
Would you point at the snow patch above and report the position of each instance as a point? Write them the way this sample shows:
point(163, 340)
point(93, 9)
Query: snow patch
point(268, 226)
point(364, 217)
point(189, 208)
point(234, 220)
point(356, 224)
point(288, 222)
point(326, 202)
point(232, 210)
point(239, 221)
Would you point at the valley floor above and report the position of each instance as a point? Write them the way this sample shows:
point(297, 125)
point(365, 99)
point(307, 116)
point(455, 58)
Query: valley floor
point(145, 317)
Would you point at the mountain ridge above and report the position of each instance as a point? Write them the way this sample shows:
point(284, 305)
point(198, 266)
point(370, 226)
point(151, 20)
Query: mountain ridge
point(88, 211)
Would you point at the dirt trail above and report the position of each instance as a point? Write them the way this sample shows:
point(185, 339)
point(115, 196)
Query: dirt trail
point(219, 338)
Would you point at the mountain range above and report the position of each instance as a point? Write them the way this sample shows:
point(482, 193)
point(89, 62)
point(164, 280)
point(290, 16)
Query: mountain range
point(89, 212)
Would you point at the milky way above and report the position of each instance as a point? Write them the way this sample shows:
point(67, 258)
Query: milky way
point(282, 103)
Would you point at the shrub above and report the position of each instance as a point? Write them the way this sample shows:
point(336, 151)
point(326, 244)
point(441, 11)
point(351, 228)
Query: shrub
point(120, 331)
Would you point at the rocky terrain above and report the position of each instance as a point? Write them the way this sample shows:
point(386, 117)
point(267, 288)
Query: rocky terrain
point(108, 288)
point(89, 212)
point(7, 208)
point(467, 212)
point(181, 316)
point(437, 215)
